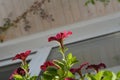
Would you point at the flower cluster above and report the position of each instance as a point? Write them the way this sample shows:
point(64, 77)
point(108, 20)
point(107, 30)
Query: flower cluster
point(62, 69)
point(23, 70)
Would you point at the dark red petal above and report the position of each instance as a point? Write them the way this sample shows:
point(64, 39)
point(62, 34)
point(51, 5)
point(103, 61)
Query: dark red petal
point(69, 79)
point(16, 57)
point(102, 65)
point(69, 33)
point(27, 53)
point(73, 70)
point(42, 67)
point(59, 36)
point(96, 67)
point(83, 65)
point(66, 34)
point(52, 39)
point(21, 71)
point(22, 56)
point(92, 66)
point(47, 64)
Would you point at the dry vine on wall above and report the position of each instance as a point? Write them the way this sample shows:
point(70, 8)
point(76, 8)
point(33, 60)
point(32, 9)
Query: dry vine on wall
point(36, 9)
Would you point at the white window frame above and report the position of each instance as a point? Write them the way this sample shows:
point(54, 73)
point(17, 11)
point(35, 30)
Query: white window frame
point(40, 58)
point(87, 29)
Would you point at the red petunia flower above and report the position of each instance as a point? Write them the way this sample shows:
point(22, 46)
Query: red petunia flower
point(21, 71)
point(22, 56)
point(18, 71)
point(96, 67)
point(69, 79)
point(60, 36)
point(78, 70)
point(74, 70)
point(46, 64)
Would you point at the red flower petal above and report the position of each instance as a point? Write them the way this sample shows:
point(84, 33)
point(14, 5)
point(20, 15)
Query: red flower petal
point(46, 64)
point(66, 34)
point(96, 67)
point(18, 71)
point(83, 65)
point(52, 39)
point(22, 56)
point(60, 36)
point(27, 53)
point(69, 79)
point(73, 70)
point(102, 65)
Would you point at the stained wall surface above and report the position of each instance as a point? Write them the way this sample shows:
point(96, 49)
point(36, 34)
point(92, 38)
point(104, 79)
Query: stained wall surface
point(65, 12)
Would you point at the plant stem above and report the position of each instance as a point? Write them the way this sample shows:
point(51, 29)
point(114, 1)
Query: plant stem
point(79, 72)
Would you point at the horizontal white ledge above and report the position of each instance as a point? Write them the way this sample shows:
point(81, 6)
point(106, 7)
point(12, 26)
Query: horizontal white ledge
point(81, 31)
point(10, 61)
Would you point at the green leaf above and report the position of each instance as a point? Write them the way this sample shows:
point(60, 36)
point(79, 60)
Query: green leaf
point(46, 77)
point(69, 74)
point(87, 2)
point(61, 51)
point(60, 64)
point(90, 76)
point(90, 1)
point(51, 70)
point(26, 66)
point(50, 74)
point(18, 77)
point(93, 2)
point(109, 75)
point(74, 60)
point(33, 78)
point(69, 56)
point(118, 75)
point(99, 75)
point(118, 0)
point(60, 72)
point(65, 49)
point(70, 60)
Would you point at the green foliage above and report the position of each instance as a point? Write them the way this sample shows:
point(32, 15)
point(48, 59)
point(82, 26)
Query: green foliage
point(103, 75)
point(118, 0)
point(71, 60)
point(33, 78)
point(59, 64)
point(90, 1)
point(105, 2)
point(69, 74)
point(61, 69)
point(118, 75)
point(50, 74)
point(108, 75)
point(18, 77)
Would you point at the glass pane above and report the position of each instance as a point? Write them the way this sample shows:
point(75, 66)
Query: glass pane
point(6, 71)
point(104, 49)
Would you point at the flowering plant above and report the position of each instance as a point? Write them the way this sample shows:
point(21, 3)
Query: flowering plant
point(62, 69)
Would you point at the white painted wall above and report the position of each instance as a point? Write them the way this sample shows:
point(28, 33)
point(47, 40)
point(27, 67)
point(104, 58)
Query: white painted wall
point(81, 31)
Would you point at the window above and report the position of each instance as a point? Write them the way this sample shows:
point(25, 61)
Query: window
point(6, 71)
point(105, 48)
point(8, 66)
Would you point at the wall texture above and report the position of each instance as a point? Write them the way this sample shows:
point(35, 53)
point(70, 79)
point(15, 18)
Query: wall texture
point(64, 12)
